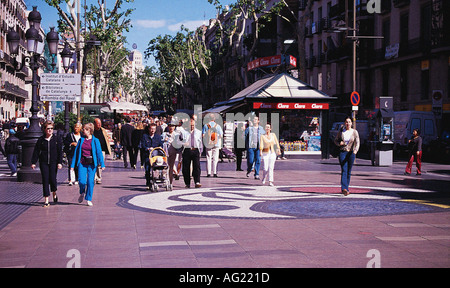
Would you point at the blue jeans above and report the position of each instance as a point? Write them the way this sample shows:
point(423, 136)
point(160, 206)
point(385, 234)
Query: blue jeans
point(346, 160)
point(12, 162)
point(86, 176)
point(253, 157)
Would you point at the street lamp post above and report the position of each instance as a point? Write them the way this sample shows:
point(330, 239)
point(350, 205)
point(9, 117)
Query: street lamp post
point(35, 47)
point(354, 38)
point(66, 55)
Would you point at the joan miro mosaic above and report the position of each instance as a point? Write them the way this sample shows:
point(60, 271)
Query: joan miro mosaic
point(282, 202)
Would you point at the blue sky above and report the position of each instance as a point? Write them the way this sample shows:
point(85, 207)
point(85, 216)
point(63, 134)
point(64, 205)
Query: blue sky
point(149, 19)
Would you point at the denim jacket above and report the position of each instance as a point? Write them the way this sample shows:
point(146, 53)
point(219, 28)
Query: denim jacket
point(97, 155)
point(249, 136)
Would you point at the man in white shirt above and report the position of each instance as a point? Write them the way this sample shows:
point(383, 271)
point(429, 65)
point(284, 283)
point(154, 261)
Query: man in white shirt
point(212, 135)
point(193, 148)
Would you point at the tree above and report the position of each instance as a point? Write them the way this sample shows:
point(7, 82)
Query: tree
point(85, 118)
point(154, 91)
point(107, 26)
point(107, 61)
point(182, 60)
point(232, 21)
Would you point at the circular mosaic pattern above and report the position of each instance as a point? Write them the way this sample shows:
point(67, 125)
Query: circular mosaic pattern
point(283, 202)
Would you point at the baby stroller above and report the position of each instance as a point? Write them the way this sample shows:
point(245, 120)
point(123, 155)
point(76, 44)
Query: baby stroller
point(159, 170)
point(117, 151)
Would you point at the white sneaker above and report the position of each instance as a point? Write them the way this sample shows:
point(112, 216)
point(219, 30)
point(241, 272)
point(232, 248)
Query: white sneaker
point(270, 184)
point(89, 203)
point(80, 199)
point(263, 181)
point(70, 183)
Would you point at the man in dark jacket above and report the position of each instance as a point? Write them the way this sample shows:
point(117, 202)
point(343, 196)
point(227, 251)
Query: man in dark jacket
point(1, 149)
point(101, 134)
point(127, 144)
point(149, 141)
point(11, 151)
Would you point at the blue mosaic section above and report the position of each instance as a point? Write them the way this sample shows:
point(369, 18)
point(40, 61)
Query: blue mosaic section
point(327, 208)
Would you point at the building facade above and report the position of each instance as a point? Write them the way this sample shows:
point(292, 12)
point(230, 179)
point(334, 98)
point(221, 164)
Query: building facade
point(14, 95)
point(402, 51)
point(411, 62)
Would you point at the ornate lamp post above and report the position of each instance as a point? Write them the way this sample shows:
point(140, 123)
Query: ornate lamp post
point(66, 55)
point(35, 47)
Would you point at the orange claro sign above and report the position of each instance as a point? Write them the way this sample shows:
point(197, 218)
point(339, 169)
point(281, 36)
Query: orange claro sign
point(313, 106)
point(271, 61)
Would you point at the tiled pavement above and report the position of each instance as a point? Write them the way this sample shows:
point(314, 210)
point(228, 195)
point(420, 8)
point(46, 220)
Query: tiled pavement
point(116, 233)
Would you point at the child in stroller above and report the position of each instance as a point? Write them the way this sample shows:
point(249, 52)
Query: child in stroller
point(117, 151)
point(158, 170)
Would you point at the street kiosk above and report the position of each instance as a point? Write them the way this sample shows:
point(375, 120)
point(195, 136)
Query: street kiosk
point(300, 110)
point(385, 130)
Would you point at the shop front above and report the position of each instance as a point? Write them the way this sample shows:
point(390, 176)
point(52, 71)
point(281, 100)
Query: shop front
point(301, 129)
point(301, 110)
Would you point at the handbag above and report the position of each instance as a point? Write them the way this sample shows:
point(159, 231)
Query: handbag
point(334, 151)
point(88, 160)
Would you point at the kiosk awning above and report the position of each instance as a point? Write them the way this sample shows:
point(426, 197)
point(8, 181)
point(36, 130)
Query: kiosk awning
point(281, 86)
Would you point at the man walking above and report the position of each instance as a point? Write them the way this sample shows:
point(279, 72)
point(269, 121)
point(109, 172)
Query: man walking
point(101, 134)
point(212, 135)
point(193, 147)
point(11, 151)
point(127, 144)
point(252, 137)
point(149, 141)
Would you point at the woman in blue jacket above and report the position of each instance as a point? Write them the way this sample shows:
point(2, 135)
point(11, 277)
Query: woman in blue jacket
point(88, 155)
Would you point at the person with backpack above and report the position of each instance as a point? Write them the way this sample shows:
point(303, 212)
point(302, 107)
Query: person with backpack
point(212, 135)
point(12, 151)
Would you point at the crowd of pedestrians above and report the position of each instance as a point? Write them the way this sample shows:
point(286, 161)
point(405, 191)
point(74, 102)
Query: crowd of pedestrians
point(182, 140)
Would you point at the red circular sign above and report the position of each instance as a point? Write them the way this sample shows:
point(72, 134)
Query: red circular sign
point(355, 98)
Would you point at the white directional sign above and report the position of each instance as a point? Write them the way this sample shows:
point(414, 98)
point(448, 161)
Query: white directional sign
point(57, 78)
point(61, 98)
point(60, 87)
point(60, 90)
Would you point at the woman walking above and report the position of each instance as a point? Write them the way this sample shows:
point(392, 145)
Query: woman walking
point(347, 140)
point(268, 154)
point(48, 151)
point(172, 146)
point(88, 155)
point(415, 153)
point(70, 142)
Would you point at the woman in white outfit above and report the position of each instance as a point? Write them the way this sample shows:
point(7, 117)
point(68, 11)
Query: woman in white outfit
point(267, 146)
